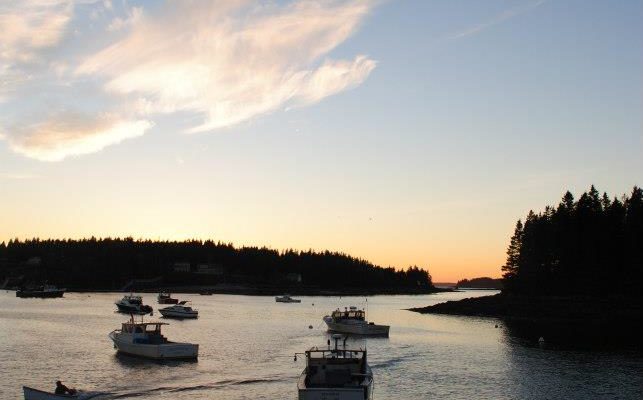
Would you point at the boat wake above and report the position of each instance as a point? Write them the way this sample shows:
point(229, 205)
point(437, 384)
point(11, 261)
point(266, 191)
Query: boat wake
point(201, 387)
point(395, 361)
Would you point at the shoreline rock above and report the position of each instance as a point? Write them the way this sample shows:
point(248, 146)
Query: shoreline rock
point(565, 321)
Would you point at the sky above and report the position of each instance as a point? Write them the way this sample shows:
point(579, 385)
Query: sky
point(404, 132)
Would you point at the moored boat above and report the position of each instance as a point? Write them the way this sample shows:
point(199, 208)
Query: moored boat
point(181, 310)
point(166, 298)
point(338, 374)
point(44, 292)
point(353, 321)
point(144, 339)
point(286, 299)
point(35, 394)
point(132, 304)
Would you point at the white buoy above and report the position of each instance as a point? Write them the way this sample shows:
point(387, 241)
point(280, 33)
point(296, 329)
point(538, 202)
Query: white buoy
point(541, 340)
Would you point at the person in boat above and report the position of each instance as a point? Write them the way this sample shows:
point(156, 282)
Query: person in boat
point(62, 389)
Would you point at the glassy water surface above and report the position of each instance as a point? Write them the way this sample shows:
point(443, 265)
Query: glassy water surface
point(247, 345)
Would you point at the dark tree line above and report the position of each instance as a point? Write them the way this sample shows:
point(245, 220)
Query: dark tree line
point(109, 263)
point(590, 246)
point(480, 283)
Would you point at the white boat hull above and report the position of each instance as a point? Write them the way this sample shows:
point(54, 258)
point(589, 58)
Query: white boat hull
point(361, 392)
point(35, 394)
point(332, 394)
point(165, 351)
point(357, 328)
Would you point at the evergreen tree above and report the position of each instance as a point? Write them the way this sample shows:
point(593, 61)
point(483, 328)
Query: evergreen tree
point(510, 269)
point(593, 246)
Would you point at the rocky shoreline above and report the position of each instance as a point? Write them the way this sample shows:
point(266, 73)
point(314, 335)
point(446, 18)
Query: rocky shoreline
point(589, 322)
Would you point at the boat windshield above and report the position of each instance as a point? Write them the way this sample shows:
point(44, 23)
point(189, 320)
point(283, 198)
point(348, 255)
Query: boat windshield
point(352, 314)
point(133, 299)
point(335, 368)
point(147, 328)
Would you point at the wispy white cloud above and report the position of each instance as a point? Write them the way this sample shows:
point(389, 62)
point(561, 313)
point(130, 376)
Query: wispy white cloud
point(29, 25)
point(69, 134)
point(503, 16)
point(231, 63)
point(222, 63)
point(133, 16)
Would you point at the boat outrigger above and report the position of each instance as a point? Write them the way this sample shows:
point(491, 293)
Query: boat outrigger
point(338, 374)
point(144, 339)
point(353, 321)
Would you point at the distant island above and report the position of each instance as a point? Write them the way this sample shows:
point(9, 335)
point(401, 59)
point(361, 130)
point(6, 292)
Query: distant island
point(480, 283)
point(573, 272)
point(143, 265)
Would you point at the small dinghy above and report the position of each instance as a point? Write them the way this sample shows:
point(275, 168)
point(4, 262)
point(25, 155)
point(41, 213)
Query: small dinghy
point(35, 394)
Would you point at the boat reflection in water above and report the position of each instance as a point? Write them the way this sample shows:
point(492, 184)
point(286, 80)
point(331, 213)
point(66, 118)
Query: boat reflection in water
point(337, 374)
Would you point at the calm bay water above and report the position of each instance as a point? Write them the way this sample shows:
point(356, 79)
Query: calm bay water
point(247, 345)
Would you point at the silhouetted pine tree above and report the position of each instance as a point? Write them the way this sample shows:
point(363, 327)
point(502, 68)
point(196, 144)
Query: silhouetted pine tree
point(510, 269)
point(593, 246)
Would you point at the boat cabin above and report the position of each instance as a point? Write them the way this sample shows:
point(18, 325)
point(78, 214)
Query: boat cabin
point(335, 368)
point(184, 305)
point(352, 313)
point(144, 332)
point(132, 299)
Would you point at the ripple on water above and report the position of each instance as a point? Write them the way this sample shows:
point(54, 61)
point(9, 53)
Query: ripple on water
point(247, 345)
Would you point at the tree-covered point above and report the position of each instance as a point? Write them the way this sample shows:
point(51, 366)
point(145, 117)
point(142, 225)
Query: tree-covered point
point(590, 246)
point(109, 263)
point(480, 283)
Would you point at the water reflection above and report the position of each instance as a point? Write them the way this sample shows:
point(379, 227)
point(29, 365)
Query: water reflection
point(247, 345)
point(578, 335)
point(128, 361)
